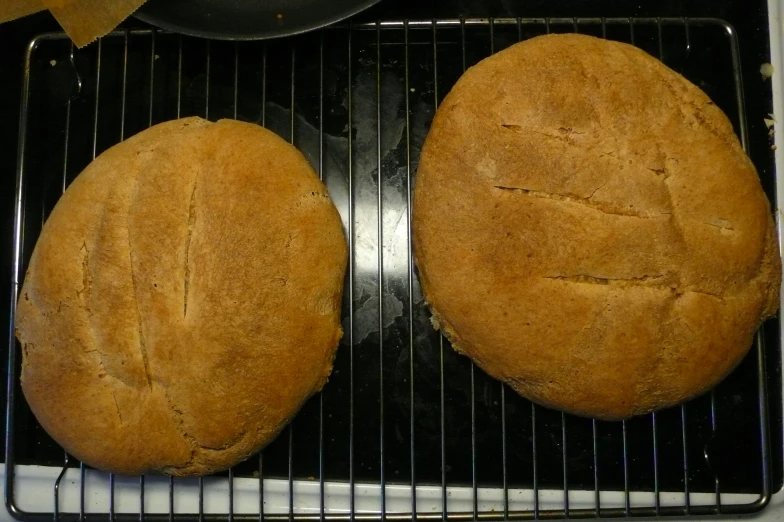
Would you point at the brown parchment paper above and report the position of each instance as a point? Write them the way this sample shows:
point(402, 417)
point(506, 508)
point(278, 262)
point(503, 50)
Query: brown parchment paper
point(13, 9)
point(86, 20)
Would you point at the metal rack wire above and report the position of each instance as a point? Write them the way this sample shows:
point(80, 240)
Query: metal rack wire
point(357, 100)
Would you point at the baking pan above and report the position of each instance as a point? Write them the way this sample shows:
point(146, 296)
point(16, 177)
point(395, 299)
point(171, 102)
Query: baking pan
point(405, 424)
point(247, 19)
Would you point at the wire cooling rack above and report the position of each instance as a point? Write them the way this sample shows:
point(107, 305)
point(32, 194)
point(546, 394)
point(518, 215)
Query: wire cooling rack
point(405, 428)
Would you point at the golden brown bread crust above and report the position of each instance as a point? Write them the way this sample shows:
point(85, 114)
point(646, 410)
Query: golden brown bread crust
point(183, 299)
point(588, 229)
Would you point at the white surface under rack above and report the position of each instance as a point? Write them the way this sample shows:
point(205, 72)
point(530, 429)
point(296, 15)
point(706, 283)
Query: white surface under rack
point(775, 511)
point(35, 484)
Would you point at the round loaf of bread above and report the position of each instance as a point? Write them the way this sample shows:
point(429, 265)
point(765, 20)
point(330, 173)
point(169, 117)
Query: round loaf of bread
point(183, 300)
point(588, 229)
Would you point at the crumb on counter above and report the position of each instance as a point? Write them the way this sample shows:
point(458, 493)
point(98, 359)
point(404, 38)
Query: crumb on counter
point(766, 70)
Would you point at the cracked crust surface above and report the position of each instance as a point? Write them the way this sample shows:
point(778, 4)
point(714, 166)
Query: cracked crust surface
point(588, 229)
point(183, 300)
